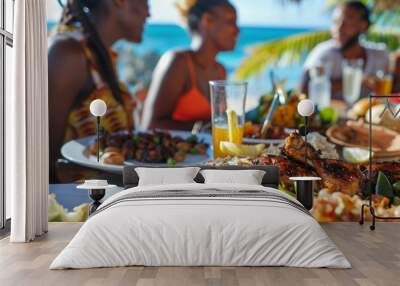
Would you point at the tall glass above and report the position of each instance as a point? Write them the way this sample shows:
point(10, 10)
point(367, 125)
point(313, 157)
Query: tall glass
point(226, 96)
point(352, 76)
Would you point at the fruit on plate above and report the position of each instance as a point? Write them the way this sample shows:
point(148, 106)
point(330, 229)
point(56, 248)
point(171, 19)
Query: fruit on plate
point(233, 124)
point(383, 117)
point(241, 150)
point(328, 115)
point(362, 106)
point(355, 155)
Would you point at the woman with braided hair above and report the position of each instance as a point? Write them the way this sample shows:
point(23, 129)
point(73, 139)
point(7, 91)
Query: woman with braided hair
point(82, 68)
point(179, 92)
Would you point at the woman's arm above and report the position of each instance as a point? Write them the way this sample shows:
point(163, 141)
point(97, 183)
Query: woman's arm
point(169, 81)
point(67, 77)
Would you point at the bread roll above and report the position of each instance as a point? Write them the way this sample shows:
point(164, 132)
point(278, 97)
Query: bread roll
point(362, 106)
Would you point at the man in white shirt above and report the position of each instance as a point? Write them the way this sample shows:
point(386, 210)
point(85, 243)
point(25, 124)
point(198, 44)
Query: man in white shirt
point(351, 20)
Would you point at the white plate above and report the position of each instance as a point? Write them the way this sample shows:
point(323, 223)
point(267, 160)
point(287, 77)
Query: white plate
point(74, 151)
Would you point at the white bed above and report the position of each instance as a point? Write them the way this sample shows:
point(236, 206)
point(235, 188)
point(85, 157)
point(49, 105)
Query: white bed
point(224, 225)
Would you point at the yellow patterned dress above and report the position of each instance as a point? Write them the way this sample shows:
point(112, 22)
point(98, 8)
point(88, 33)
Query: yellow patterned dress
point(119, 116)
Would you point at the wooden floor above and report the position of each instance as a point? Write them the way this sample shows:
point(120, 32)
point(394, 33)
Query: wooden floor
point(375, 257)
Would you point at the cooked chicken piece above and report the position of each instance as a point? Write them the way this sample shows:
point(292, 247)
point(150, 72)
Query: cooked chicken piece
point(287, 168)
point(336, 175)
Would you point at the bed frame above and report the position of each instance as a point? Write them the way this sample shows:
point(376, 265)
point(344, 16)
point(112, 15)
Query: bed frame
point(271, 177)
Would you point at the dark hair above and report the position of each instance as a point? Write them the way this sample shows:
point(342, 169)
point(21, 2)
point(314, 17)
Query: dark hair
point(360, 7)
point(78, 12)
point(200, 8)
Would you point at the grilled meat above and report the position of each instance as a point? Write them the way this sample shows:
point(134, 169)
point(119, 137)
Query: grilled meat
point(336, 175)
point(287, 168)
point(390, 169)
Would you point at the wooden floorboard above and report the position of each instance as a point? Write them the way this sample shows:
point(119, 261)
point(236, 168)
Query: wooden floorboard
point(375, 257)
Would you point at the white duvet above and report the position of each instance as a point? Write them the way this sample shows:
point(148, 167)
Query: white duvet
point(205, 231)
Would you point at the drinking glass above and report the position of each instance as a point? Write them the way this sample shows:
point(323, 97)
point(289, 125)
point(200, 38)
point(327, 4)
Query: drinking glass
point(226, 96)
point(352, 73)
point(384, 83)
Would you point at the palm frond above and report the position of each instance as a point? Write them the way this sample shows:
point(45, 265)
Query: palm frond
point(292, 50)
point(390, 37)
point(281, 52)
point(387, 18)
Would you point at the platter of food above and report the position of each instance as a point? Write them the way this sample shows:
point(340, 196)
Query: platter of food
point(284, 121)
point(155, 147)
point(385, 141)
point(343, 186)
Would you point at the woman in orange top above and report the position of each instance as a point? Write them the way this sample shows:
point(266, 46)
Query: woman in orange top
point(179, 93)
point(82, 68)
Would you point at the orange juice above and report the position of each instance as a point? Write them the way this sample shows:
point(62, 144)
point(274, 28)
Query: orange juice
point(221, 133)
point(384, 86)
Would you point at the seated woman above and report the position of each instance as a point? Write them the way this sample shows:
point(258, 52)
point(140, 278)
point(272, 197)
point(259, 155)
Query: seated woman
point(81, 69)
point(179, 93)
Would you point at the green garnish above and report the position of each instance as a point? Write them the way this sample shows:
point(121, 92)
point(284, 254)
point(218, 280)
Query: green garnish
point(192, 139)
point(157, 140)
point(194, 151)
point(396, 188)
point(286, 191)
point(328, 115)
point(383, 186)
point(171, 162)
point(396, 201)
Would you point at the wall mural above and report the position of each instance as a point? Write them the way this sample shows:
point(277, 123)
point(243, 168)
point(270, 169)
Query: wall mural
point(276, 65)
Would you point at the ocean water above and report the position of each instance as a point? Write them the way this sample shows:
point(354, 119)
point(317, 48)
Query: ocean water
point(163, 37)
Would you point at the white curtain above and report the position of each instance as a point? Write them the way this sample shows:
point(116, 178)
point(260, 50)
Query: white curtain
point(27, 123)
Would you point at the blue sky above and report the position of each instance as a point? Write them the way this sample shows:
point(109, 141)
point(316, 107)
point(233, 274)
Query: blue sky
point(310, 13)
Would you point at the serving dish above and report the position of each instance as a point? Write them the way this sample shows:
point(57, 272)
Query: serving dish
point(385, 141)
point(76, 151)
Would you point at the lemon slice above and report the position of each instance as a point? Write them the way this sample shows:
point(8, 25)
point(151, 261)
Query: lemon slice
point(355, 155)
point(241, 150)
point(233, 124)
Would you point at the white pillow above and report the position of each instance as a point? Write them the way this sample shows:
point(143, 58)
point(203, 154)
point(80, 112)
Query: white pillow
point(166, 176)
point(246, 177)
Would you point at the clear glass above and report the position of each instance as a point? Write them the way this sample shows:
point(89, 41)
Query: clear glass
point(9, 13)
point(319, 87)
point(226, 96)
point(352, 75)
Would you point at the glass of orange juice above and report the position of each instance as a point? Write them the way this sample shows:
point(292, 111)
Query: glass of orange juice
point(228, 101)
point(384, 83)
